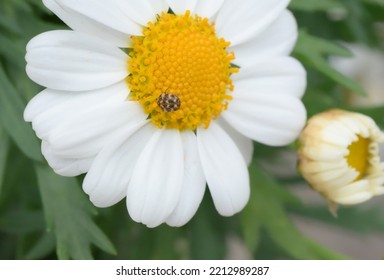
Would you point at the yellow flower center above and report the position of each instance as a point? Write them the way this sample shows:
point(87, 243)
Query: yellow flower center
point(359, 155)
point(180, 71)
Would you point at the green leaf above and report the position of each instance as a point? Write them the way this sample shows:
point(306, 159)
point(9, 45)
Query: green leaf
point(268, 200)
point(22, 221)
point(323, 252)
point(12, 51)
point(375, 2)
point(315, 101)
point(207, 239)
point(4, 146)
point(68, 213)
point(141, 241)
point(252, 216)
point(9, 24)
point(39, 4)
point(312, 51)
point(165, 243)
point(43, 247)
point(250, 225)
point(7, 245)
point(11, 118)
point(316, 5)
point(360, 219)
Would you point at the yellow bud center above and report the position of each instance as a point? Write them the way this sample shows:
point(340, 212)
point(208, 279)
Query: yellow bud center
point(359, 155)
point(180, 71)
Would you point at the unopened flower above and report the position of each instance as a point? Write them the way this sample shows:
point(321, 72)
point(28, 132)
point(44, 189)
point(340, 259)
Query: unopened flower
point(154, 99)
point(339, 157)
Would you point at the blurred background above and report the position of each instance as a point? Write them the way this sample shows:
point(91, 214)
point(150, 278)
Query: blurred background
point(45, 216)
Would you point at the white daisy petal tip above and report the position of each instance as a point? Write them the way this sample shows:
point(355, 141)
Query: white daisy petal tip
point(275, 119)
point(67, 167)
point(71, 61)
point(339, 159)
point(225, 170)
point(107, 180)
point(154, 188)
point(193, 186)
point(28, 113)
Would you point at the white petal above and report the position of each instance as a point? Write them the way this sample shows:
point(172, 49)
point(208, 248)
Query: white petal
point(224, 168)
point(331, 134)
point(104, 12)
point(280, 74)
point(141, 11)
point(208, 8)
point(355, 198)
point(155, 187)
point(349, 189)
point(277, 40)
point(44, 101)
point(91, 130)
point(192, 190)
point(63, 166)
point(87, 25)
point(272, 119)
point(107, 181)
point(68, 60)
point(334, 179)
point(180, 7)
point(159, 6)
point(244, 144)
point(240, 21)
point(50, 109)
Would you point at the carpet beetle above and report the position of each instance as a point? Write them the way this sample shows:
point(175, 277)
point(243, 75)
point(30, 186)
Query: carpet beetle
point(168, 102)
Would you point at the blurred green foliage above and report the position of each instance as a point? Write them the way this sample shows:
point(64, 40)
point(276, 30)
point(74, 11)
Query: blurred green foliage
point(45, 216)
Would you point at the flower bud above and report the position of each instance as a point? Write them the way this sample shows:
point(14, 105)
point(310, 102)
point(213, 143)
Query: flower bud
point(339, 157)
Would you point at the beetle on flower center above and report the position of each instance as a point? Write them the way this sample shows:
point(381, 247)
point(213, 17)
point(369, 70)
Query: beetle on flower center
point(169, 102)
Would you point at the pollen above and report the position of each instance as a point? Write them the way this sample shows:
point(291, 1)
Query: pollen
point(358, 157)
point(181, 56)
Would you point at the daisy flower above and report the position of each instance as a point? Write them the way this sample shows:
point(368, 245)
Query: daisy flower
point(154, 99)
point(339, 157)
